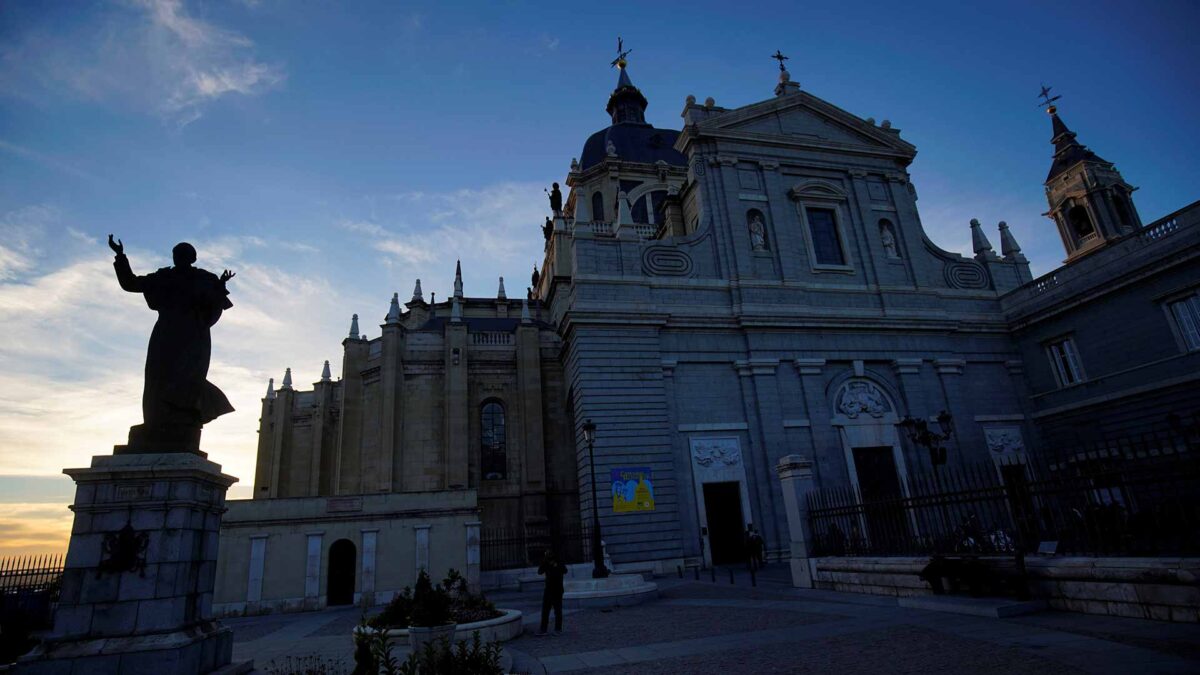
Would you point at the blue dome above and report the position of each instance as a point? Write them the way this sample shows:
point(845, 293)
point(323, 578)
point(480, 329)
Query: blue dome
point(635, 143)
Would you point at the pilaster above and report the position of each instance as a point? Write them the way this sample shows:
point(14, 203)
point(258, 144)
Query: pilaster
point(796, 480)
point(456, 467)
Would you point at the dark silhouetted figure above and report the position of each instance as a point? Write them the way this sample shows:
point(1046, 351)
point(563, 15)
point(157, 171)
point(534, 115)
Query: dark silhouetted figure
point(556, 200)
point(754, 546)
point(535, 277)
point(547, 229)
point(552, 597)
point(177, 399)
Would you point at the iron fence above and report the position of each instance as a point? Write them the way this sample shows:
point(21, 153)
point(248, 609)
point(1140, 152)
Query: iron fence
point(29, 589)
point(1135, 497)
point(513, 548)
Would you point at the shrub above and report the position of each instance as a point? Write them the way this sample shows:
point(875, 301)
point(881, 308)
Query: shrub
point(373, 654)
point(430, 605)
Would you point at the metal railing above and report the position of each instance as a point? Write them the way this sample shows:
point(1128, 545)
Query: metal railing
point(1132, 497)
point(29, 587)
point(514, 548)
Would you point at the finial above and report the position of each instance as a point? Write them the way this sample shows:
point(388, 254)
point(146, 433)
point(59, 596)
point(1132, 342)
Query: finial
point(458, 291)
point(1008, 243)
point(325, 372)
point(1048, 100)
point(500, 293)
point(979, 240)
point(622, 53)
point(418, 296)
point(525, 318)
point(624, 212)
point(690, 100)
point(393, 315)
point(287, 380)
point(778, 56)
point(886, 124)
point(710, 102)
point(270, 389)
point(354, 327)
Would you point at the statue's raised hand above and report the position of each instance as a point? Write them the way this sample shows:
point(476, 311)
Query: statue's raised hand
point(227, 275)
point(116, 246)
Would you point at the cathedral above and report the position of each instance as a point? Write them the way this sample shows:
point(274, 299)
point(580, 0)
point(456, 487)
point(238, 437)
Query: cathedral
point(752, 285)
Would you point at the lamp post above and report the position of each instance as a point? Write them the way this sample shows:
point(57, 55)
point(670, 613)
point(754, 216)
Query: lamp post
point(919, 433)
point(599, 571)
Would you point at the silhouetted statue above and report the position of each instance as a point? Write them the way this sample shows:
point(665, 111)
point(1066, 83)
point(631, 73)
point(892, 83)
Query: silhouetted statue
point(177, 399)
point(535, 277)
point(547, 229)
point(556, 200)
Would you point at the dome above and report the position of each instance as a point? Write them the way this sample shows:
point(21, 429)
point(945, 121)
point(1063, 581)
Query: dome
point(634, 143)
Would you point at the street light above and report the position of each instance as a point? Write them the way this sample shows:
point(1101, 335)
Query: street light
point(919, 433)
point(599, 571)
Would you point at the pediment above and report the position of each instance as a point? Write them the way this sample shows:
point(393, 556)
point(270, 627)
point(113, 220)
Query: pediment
point(804, 117)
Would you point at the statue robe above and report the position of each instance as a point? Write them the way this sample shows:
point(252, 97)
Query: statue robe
point(188, 301)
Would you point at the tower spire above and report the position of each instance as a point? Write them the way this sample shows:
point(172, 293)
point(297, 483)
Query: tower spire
point(418, 295)
point(325, 375)
point(354, 327)
point(626, 104)
point(458, 286)
point(393, 315)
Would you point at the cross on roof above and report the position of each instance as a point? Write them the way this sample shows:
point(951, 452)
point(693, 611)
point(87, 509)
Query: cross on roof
point(619, 62)
point(1047, 98)
point(778, 56)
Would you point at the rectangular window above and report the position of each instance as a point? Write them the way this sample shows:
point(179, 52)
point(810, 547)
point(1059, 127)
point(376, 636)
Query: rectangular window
point(827, 247)
point(1187, 318)
point(1064, 361)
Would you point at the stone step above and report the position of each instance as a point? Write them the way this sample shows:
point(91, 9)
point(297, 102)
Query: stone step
point(996, 608)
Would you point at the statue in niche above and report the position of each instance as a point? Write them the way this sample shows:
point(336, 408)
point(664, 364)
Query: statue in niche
point(758, 232)
point(556, 200)
point(889, 240)
point(177, 399)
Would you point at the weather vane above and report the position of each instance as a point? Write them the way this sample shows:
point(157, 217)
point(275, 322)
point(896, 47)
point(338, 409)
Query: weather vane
point(778, 56)
point(619, 62)
point(1048, 100)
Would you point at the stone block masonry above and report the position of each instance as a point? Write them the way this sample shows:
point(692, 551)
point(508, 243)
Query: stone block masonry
point(138, 583)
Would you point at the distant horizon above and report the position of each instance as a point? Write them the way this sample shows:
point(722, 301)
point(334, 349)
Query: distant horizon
point(332, 156)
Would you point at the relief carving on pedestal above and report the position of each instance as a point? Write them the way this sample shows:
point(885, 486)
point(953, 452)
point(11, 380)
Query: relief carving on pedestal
point(857, 397)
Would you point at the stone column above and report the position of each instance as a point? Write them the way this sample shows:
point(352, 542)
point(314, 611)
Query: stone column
point(472, 571)
point(421, 540)
point(254, 573)
point(369, 540)
point(796, 477)
point(312, 572)
point(138, 585)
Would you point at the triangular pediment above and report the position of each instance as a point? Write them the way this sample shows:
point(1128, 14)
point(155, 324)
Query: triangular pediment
point(806, 118)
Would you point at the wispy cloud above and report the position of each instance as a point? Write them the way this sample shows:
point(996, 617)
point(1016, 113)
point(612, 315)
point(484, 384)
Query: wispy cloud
point(491, 229)
point(152, 53)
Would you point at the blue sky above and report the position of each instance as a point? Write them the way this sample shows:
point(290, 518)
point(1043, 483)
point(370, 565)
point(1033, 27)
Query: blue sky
point(331, 153)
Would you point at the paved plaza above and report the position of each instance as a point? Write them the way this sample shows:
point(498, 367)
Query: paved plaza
point(707, 627)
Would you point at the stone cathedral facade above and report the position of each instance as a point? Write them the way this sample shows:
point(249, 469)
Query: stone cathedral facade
point(752, 285)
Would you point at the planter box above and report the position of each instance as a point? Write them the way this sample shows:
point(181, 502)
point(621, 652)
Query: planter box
point(503, 628)
point(419, 636)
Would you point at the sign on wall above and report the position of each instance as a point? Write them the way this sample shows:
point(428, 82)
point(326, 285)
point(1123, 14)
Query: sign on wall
point(632, 490)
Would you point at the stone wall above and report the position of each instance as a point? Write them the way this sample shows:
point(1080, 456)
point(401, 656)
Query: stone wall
point(275, 553)
point(1164, 589)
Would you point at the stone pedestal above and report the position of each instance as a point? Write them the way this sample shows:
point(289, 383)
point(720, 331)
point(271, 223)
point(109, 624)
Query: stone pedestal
point(138, 585)
point(796, 479)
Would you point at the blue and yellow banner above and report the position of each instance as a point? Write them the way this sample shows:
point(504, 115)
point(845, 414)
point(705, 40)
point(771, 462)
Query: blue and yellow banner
point(632, 490)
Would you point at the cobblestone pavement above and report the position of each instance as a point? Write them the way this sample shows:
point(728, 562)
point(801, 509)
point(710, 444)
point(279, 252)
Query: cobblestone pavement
point(705, 627)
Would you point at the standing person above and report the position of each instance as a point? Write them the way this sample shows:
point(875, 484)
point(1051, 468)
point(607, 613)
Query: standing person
point(552, 596)
point(754, 546)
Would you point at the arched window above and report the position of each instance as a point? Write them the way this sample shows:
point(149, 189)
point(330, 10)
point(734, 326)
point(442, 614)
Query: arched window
point(598, 207)
point(639, 211)
point(493, 462)
point(1121, 204)
point(1078, 216)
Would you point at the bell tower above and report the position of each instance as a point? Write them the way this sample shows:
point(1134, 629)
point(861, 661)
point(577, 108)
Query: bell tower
point(1089, 200)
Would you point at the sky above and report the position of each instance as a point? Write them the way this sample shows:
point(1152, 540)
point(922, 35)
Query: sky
point(332, 153)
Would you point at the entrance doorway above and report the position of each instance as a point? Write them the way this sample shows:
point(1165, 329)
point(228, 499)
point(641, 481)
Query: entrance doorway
point(879, 485)
point(340, 584)
point(723, 510)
